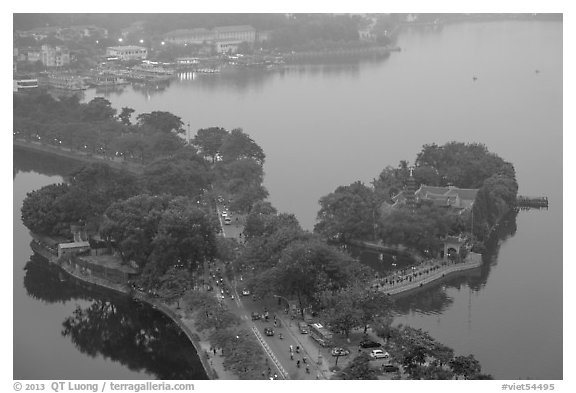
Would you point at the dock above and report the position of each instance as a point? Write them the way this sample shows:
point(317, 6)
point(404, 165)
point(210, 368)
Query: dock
point(532, 202)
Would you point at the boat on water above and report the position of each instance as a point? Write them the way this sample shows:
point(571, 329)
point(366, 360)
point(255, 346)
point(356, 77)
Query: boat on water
point(63, 81)
point(106, 80)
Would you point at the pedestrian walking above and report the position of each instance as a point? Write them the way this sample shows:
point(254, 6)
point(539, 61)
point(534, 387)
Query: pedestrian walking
point(214, 349)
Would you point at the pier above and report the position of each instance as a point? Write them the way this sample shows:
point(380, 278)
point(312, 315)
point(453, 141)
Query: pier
point(532, 202)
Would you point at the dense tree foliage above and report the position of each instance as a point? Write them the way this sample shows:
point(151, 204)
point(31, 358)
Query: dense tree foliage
point(182, 175)
point(358, 369)
point(353, 307)
point(159, 232)
point(43, 211)
point(163, 122)
point(238, 145)
point(421, 230)
point(315, 31)
point(209, 141)
point(350, 212)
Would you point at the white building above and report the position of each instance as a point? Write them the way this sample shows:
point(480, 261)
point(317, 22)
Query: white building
point(129, 52)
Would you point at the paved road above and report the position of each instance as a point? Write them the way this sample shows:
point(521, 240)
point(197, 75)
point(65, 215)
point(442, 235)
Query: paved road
point(243, 306)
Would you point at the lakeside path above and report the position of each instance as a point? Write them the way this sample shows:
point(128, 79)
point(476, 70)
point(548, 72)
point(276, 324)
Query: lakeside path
point(116, 163)
point(424, 274)
point(213, 365)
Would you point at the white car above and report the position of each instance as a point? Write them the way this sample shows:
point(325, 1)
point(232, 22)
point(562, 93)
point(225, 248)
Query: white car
point(379, 354)
point(224, 213)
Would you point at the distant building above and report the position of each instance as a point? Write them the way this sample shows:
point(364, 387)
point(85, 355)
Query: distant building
point(129, 52)
point(72, 248)
point(449, 197)
point(189, 36)
point(227, 46)
point(222, 35)
point(237, 33)
point(54, 56)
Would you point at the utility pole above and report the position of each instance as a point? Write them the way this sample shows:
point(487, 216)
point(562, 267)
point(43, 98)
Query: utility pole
point(188, 133)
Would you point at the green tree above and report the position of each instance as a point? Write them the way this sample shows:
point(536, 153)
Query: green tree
point(209, 141)
point(163, 122)
point(173, 284)
point(465, 366)
point(237, 145)
point(177, 176)
point(98, 109)
point(358, 369)
point(125, 115)
point(132, 225)
point(348, 213)
point(41, 212)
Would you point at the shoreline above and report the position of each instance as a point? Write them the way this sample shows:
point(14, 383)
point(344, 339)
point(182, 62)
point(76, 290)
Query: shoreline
point(214, 369)
point(76, 155)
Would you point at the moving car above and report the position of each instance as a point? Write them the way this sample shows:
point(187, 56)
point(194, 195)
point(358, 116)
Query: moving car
point(224, 213)
point(340, 352)
point(369, 344)
point(227, 221)
point(245, 292)
point(255, 316)
point(303, 327)
point(379, 354)
point(269, 331)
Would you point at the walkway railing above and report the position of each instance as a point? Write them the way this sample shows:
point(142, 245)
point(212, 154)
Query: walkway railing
point(275, 360)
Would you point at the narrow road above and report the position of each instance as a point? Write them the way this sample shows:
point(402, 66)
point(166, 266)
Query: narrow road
point(277, 349)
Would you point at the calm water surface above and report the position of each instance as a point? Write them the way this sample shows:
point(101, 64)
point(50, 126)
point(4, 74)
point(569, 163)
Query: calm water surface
point(65, 330)
point(325, 126)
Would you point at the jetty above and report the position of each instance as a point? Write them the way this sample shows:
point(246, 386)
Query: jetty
point(532, 202)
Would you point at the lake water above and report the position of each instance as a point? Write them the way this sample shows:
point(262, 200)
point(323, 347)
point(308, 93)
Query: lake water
point(325, 126)
point(65, 330)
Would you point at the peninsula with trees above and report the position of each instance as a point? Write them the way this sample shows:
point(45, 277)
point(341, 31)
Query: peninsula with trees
point(160, 228)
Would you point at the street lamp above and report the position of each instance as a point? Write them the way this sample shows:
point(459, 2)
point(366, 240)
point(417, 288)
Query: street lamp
point(119, 39)
point(141, 41)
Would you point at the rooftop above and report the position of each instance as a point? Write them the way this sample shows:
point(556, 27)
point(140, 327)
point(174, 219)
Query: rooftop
point(74, 245)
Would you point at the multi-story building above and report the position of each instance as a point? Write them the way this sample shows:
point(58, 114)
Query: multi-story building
point(225, 34)
point(129, 52)
point(189, 36)
point(54, 56)
point(235, 33)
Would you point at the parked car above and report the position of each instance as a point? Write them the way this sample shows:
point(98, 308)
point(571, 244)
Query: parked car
point(379, 354)
point(369, 344)
point(269, 331)
point(245, 292)
point(303, 327)
point(389, 368)
point(255, 316)
point(340, 352)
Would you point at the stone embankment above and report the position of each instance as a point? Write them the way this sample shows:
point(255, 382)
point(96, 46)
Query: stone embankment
point(425, 274)
point(214, 368)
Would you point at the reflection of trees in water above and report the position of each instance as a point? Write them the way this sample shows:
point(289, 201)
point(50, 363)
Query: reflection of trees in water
point(48, 283)
point(135, 335)
point(116, 327)
point(434, 299)
point(43, 163)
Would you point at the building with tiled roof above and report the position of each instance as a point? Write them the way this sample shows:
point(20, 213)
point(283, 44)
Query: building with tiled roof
point(454, 197)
